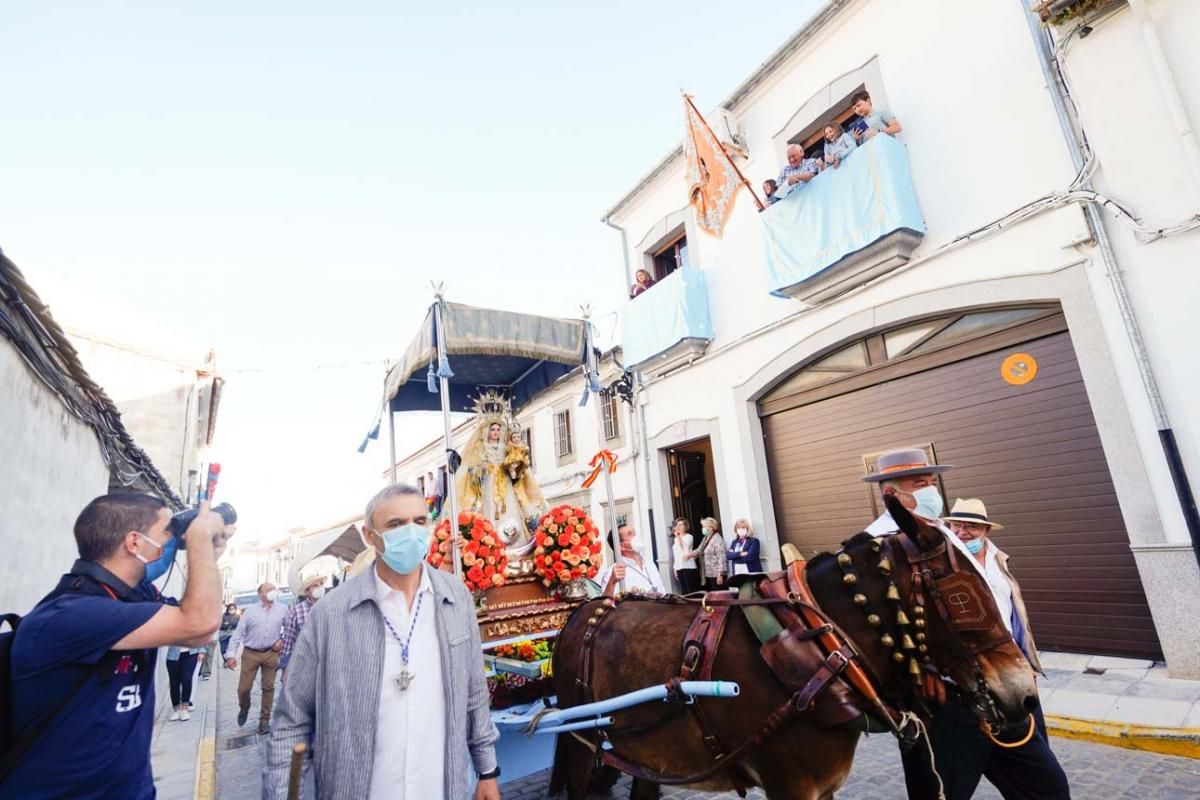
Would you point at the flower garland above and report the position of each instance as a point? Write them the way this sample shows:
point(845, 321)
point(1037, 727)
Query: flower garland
point(568, 546)
point(484, 558)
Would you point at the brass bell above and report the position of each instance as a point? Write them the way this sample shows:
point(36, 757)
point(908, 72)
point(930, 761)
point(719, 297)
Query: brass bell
point(873, 620)
point(920, 623)
point(893, 593)
point(885, 566)
point(920, 636)
point(922, 649)
point(902, 618)
point(860, 599)
point(926, 659)
point(898, 657)
point(876, 543)
point(887, 640)
point(599, 612)
point(849, 579)
point(919, 611)
point(844, 559)
point(907, 642)
point(914, 668)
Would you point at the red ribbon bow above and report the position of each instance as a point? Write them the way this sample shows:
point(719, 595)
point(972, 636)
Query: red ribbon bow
point(597, 464)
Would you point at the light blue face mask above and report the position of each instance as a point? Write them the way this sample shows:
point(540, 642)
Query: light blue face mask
point(405, 547)
point(974, 547)
point(158, 567)
point(929, 502)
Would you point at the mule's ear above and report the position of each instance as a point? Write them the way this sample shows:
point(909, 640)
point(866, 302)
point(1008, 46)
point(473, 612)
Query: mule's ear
point(918, 530)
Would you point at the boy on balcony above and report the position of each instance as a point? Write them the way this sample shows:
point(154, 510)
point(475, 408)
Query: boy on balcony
point(874, 120)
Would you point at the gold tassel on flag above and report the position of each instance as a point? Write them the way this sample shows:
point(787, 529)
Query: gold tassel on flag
point(713, 178)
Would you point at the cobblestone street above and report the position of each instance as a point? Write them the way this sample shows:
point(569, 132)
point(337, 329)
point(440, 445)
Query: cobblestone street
point(1097, 772)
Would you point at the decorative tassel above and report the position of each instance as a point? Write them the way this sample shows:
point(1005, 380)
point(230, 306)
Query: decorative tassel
point(444, 370)
point(431, 379)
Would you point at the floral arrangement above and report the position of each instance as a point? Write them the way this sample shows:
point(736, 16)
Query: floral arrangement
point(484, 558)
point(528, 650)
point(568, 546)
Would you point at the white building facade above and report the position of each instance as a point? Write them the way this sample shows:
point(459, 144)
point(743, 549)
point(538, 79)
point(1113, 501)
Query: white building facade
point(1042, 354)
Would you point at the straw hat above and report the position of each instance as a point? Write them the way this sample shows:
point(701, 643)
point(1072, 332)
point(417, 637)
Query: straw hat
point(971, 510)
point(310, 582)
point(903, 463)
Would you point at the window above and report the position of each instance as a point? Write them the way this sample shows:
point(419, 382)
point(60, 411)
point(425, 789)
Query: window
point(527, 440)
point(612, 415)
point(564, 444)
point(670, 257)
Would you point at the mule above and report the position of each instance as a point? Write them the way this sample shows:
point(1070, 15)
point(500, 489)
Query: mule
point(860, 640)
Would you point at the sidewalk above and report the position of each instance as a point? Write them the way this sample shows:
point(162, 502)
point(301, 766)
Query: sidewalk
point(178, 747)
point(1121, 701)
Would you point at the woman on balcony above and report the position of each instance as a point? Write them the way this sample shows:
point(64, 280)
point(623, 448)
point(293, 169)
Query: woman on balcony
point(643, 282)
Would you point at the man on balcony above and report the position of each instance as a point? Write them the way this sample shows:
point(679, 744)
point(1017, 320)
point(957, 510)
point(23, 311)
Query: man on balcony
point(798, 171)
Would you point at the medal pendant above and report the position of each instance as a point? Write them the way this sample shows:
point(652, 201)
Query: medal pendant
point(403, 679)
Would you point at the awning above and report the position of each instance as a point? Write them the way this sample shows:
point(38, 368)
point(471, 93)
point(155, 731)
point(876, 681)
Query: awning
point(344, 543)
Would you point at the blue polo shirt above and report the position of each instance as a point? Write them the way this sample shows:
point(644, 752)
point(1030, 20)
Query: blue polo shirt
point(99, 746)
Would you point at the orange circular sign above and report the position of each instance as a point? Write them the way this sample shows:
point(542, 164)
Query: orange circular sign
point(1019, 369)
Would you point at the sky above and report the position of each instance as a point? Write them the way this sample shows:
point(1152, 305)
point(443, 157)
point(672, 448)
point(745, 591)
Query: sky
point(281, 181)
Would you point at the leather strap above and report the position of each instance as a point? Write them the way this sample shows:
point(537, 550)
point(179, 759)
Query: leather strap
point(701, 641)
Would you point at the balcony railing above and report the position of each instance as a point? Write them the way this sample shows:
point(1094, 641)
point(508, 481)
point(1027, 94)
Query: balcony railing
point(668, 324)
point(845, 226)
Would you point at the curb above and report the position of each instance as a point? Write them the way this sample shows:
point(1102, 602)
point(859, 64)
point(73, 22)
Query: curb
point(206, 759)
point(1183, 742)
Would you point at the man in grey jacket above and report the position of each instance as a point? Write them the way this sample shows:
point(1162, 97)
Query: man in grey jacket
point(387, 684)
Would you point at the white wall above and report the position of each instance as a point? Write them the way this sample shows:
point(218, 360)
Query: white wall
point(50, 468)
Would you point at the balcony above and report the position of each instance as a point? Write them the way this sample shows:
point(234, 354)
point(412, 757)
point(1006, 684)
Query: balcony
point(845, 227)
point(668, 324)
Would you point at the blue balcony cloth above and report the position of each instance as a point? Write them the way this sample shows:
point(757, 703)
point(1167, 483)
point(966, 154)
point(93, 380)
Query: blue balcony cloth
point(670, 311)
point(840, 212)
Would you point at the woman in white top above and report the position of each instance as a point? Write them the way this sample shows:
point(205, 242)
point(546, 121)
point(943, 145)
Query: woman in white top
point(637, 574)
point(684, 560)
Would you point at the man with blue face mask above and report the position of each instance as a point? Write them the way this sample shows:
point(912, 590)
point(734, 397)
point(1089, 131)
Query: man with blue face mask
point(909, 476)
point(83, 659)
point(387, 677)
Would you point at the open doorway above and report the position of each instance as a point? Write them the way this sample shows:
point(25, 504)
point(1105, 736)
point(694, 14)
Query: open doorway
point(693, 482)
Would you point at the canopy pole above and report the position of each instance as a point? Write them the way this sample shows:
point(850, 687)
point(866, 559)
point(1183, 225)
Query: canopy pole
point(592, 377)
point(451, 502)
point(391, 415)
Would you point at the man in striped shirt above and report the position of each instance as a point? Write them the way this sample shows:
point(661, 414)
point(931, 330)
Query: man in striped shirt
point(311, 591)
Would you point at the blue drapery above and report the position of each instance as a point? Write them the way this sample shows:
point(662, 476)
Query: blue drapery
point(840, 212)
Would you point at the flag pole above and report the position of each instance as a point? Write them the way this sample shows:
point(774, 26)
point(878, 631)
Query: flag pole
point(687, 98)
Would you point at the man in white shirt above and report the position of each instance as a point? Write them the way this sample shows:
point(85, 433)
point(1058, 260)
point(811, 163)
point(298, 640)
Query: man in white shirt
point(962, 754)
point(639, 575)
point(401, 712)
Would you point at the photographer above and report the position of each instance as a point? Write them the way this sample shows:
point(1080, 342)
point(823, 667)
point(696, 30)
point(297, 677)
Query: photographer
point(83, 660)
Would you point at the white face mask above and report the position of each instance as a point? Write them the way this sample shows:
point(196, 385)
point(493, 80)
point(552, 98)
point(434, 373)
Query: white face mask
point(317, 593)
point(272, 595)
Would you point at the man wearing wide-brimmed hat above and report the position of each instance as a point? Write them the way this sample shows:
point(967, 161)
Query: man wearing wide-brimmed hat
point(909, 475)
point(312, 589)
point(962, 754)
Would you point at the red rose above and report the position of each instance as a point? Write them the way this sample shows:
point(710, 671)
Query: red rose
point(475, 573)
point(564, 540)
point(595, 548)
point(591, 573)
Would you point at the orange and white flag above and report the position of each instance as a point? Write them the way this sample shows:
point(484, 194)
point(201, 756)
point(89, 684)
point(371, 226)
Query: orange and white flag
point(713, 180)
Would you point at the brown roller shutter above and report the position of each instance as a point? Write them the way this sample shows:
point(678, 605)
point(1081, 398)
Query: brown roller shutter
point(1031, 453)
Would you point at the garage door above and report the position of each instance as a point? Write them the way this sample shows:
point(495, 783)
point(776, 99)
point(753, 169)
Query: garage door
point(1023, 442)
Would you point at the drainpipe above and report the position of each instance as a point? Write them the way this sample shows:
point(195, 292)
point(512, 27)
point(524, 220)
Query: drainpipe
point(1167, 85)
point(1166, 436)
point(624, 252)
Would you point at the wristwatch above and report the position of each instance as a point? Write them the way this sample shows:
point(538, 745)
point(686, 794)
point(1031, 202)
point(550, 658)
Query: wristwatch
point(491, 774)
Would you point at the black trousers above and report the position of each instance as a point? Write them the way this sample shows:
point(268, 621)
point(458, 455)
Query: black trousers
point(179, 678)
point(689, 580)
point(964, 755)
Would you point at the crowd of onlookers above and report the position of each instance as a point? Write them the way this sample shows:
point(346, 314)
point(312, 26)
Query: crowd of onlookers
point(839, 144)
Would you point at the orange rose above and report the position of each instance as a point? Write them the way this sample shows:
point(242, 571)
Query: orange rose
point(564, 575)
point(575, 538)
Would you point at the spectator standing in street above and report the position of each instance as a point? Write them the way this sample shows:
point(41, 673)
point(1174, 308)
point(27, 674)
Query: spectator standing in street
point(686, 571)
point(386, 677)
point(229, 622)
point(711, 555)
point(743, 554)
point(83, 660)
point(311, 591)
point(181, 666)
point(260, 634)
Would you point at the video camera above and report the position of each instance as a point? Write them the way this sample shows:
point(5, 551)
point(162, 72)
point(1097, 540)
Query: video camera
point(180, 522)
